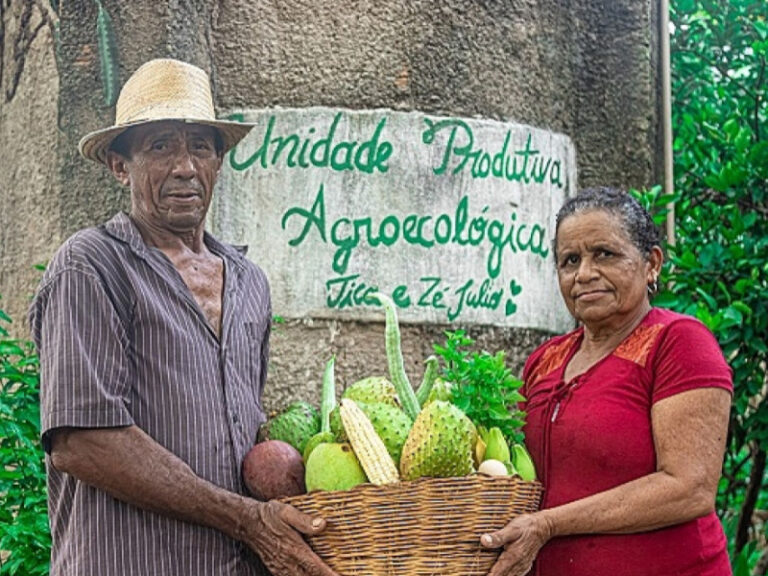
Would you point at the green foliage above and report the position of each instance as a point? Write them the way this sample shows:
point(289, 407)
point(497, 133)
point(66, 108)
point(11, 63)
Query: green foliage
point(25, 539)
point(484, 387)
point(745, 560)
point(718, 271)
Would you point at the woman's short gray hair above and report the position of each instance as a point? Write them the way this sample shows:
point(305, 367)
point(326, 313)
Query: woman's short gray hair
point(635, 219)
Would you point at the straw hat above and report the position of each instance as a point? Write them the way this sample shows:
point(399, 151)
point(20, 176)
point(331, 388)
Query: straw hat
point(163, 89)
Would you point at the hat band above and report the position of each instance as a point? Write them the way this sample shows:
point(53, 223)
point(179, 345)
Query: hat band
point(167, 110)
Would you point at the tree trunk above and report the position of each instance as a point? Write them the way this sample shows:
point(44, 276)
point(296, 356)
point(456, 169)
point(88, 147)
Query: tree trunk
point(750, 499)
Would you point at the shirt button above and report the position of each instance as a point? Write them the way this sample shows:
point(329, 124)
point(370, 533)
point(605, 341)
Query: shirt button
point(235, 418)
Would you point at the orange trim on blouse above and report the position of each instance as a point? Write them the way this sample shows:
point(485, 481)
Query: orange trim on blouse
point(553, 357)
point(638, 345)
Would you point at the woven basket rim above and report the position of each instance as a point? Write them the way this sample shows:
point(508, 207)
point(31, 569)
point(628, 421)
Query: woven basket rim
point(426, 480)
point(423, 527)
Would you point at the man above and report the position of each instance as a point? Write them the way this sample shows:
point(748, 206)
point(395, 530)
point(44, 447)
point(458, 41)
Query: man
point(153, 342)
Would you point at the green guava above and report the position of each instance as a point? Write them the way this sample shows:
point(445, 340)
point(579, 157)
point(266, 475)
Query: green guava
point(333, 467)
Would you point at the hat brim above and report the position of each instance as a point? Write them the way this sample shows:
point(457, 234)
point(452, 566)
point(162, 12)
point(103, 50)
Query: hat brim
point(94, 146)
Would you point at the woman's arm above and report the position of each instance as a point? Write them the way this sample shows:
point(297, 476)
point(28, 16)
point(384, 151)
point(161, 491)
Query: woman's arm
point(689, 431)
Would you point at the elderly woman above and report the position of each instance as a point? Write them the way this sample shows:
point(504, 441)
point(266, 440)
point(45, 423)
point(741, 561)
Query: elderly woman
point(627, 415)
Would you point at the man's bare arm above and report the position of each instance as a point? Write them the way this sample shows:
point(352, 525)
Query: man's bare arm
point(132, 467)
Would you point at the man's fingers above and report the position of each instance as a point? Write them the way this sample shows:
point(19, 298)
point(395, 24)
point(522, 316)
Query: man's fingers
point(302, 562)
point(304, 523)
point(309, 562)
point(318, 567)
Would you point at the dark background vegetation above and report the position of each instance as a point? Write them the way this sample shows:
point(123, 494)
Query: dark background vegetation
point(719, 268)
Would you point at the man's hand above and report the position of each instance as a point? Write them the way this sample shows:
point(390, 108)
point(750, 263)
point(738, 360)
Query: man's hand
point(274, 530)
point(522, 539)
point(131, 466)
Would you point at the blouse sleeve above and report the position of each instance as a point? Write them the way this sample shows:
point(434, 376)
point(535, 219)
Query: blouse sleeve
point(688, 357)
point(528, 368)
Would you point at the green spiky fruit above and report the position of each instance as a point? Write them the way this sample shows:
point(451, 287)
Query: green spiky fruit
point(373, 390)
point(391, 424)
point(295, 425)
point(441, 443)
point(301, 406)
point(333, 467)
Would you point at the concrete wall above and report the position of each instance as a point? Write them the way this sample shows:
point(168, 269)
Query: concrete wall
point(29, 183)
point(583, 68)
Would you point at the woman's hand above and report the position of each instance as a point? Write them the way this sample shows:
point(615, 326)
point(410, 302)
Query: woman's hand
point(522, 539)
point(275, 533)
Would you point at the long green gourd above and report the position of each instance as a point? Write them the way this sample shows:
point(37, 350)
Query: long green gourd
point(430, 375)
point(328, 400)
point(327, 404)
point(397, 373)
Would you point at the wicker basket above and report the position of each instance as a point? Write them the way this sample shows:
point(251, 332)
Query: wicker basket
point(429, 527)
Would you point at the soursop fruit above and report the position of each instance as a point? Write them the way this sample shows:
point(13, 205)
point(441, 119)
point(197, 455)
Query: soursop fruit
point(391, 424)
point(294, 425)
point(373, 390)
point(440, 444)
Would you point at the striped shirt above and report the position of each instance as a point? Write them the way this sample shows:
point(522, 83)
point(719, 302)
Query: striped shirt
point(123, 342)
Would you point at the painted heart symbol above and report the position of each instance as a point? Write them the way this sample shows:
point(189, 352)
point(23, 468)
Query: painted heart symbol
point(515, 288)
point(511, 308)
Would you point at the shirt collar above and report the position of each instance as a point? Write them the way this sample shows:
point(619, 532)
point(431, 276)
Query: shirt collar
point(122, 228)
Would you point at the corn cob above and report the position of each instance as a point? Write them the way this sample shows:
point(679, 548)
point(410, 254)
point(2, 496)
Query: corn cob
point(369, 448)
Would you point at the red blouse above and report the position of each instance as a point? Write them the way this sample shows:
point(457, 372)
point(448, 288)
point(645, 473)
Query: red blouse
point(595, 433)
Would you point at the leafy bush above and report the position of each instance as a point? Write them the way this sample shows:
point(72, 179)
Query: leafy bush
point(484, 387)
point(25, 540)
point(718, 271)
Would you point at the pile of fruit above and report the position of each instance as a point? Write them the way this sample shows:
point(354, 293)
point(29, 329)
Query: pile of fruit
point(382, 432)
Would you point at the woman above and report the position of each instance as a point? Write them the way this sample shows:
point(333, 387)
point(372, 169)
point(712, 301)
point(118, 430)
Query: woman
point(627, 415)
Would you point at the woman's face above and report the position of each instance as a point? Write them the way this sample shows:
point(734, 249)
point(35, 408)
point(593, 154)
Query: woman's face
point(603, 276)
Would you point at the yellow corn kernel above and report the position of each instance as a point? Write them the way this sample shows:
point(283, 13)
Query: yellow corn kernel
point(369, 448)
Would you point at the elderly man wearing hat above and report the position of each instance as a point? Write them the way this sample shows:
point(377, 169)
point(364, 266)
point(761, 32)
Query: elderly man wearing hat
point(153, 340)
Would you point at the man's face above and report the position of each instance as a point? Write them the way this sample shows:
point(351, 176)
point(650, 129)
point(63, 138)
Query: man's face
point(171, 169)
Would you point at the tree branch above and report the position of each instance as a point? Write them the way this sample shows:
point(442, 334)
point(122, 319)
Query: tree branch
point(750, 500)
point(760, 78)
point(23, 43)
